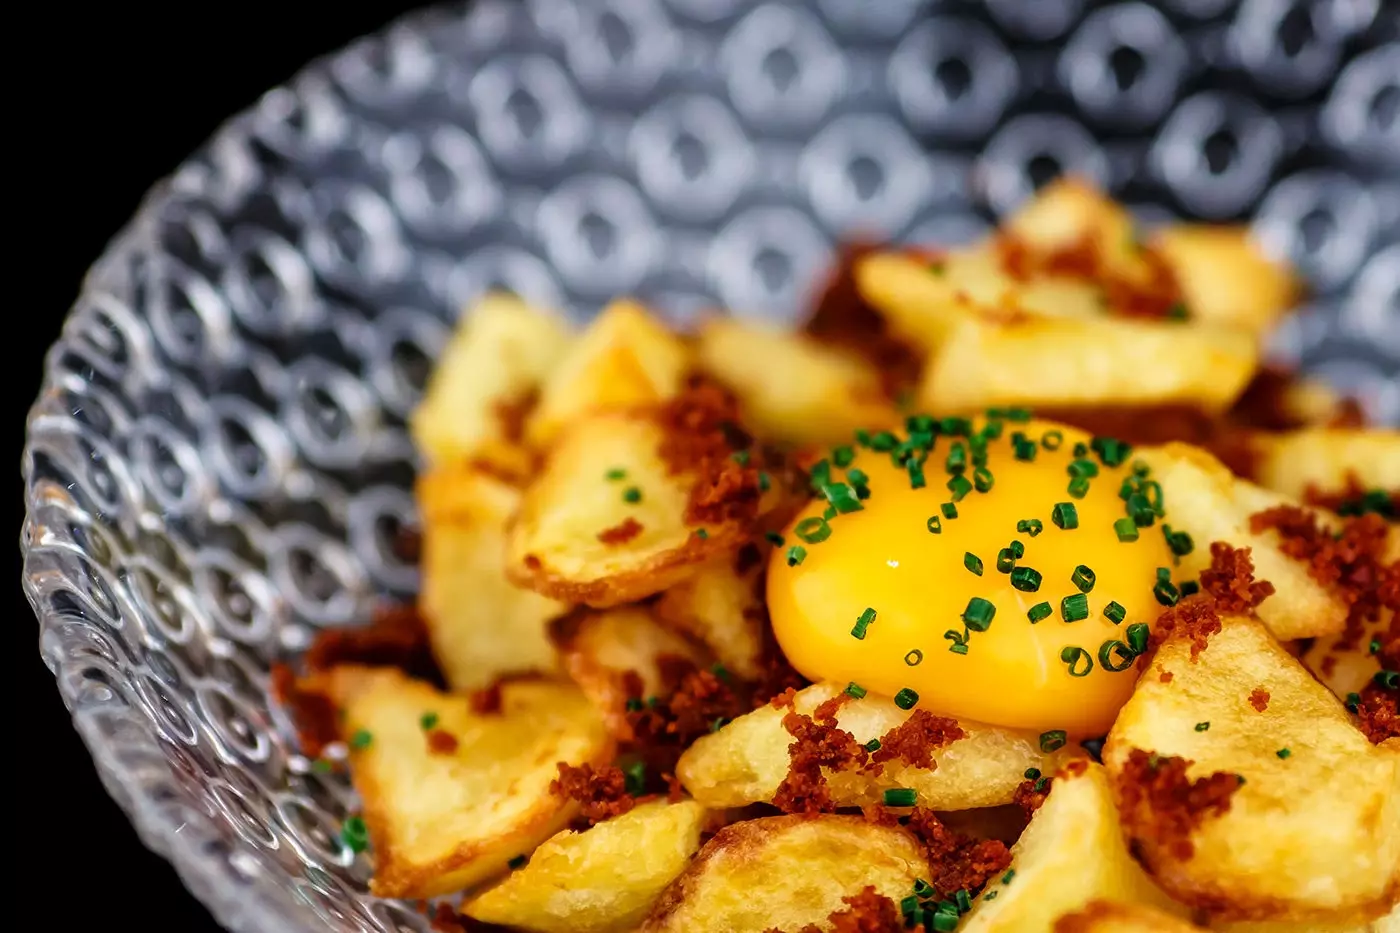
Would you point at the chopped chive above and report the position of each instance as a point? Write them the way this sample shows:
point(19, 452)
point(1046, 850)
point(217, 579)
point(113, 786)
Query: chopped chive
point(841, 497)
point(764, 481)
point(635, 778)
point(1387, 680)
point(883, 441)
point(361, 739)
point(1006, 878)
point(428, 720)
point(616, 473)
point(956, 461)
point(1137, 637)
point(843, 456)
point(992, 430)
point(704, 535)
point(1051, 440)
point(1374, 647)
point(906, 699)
point(857, 477)
point(321, 766)
point(1082, 467)
point(982, 479)
point(955, 427)
point(914, 657)
point(921, 424)
point(855, 691)
point(862, 437)
point(923, 889)
point(773, 538)
point(873, 745)
point(1203, 726)
point(1140, 511)
point(978, 446)
point(863, 623)
point(1179, 541)
point(978, 614)
point(949, 509)
point(1078, 487)
point(812, 530)
point(909, 906)
point(1166, 594)
point(916, 474)
point(958, 639)
point(1030, 526)
point(1074, 608)
point(1140, 468)
point(1017, 549)
point(796, 555)
point(1031, 774)
point(1080, 664)
point(632, 494)
point(973, 563)
point(1026, 579)
point(1080, 450)
point(740, 457)
point(989, 896)
point(1053, 740)
point(1189, 588)
point(935, 525)
point(1083, 578)
point(1020, 415)
point(1065, 515)
point(1024, 448)
point(1112, 452)
point(1039, 612)
point(819, 475)
point(1114, 612)
point(900, 797)
point(1126, 529)
point(1006, 561)
point(1353, 702)
point(959, 487)
point(1284, 752)
point(829, 512)
point(355, 834)
point(1115, 656)
point(964, 900)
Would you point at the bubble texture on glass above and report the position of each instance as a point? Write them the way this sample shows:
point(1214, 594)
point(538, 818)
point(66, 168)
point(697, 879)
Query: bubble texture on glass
point(217, 464)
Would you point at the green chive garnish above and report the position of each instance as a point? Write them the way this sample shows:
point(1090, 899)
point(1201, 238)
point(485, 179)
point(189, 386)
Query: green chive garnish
point(1078, 487)
point(1026, 579)
point(428, 720)
point(1030, 526)
point(982, 479)
point(616, 473)
point(1114, 612)
point(740, 457)
point(361, 739)
point(1065, 515)
point(916, 474)
point(959, 487)
point(855, 691)
point(973, 563)
point(841, 497)
point(1112, 452)
point(1166, 594)
point(772, 537)
point(958, 639)
point(978, 614)
point(355, 834)
point(863, 623)
point(1051, 440)
point(1006, 561)
point(1115, 656)
point(1137, 635)
point(1202, 726)
point(1083, 578)
point(949, 509)
point(1080, 664)
point(914, 657)
point(1179, 541)
point(935, 525)
point(1125, 529)
point(812, 530)
point(1284, 752)
point(843, 456)
point(1074, 608)
point(900, 797)
point(1039, 612)
point(631, 494)
point(906, 699)
point(796, 555)
point(1053, 741)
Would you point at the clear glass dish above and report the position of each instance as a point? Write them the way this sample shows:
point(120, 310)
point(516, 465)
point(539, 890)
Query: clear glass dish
point(217, 463)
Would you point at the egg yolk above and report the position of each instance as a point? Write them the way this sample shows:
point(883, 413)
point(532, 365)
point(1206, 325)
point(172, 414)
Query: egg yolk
point(1004, 614)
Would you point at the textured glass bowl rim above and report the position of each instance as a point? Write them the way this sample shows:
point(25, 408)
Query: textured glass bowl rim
point(249, 905)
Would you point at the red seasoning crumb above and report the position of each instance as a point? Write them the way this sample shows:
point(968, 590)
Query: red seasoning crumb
point(1165, 677)
point(602, 791)
point(486, 701)
point(441, 742)
point(914, 741)
point(1194, 618)
point(1028, 798)
point(315, 717)
point(621, 533)
point(1259, 699)
point(957, 861)
point(1377, 715)
point(817, 744)
point(1075, 767)
point(867, 912)
point(395, 637)
point(1230, 579)
point(1161, 807)
point(701, 426)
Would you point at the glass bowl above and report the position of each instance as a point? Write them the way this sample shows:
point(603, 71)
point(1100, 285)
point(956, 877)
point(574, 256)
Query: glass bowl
point(217, 463)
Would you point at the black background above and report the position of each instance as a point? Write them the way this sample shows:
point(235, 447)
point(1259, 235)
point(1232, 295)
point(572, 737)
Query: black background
point(117, 97)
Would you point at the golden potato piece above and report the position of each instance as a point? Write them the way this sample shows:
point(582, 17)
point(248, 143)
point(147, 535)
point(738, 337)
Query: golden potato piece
point(746, 760)
point(1102, 916)
point(1344, 664)
point(602, 880)
point(791, 388)
point(1383, 925)
point(1225, 277)
point(1074, 362)
point(555, 546)
point(497, 357)
point(442, 820)
point(1071, 853)
point(784, 872)
point(723, 609)
point(1328, 460)
point(1208, 502)
point(602, 647)
point(1069, 214)
point(624, 358)
point(1313, 833)
point(481, 626)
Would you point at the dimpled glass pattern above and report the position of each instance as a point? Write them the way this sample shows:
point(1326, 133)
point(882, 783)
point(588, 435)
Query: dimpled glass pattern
point(217, 462)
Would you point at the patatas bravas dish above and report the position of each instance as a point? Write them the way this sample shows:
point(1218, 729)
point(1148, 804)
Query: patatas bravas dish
point(1010, 592)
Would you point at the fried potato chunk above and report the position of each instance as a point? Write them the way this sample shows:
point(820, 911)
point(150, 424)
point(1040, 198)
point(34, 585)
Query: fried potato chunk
point(604, 649)
point(480, 626)
point(1225, 277)
point(746, 760)
point(602, 880)
point(792, 389)
point(1070, 362)
point(1328, 460)
point(448, 802)
point(1208, 502)
point(1071, 853)
point(1102, 916)
point(784, 872)
point(1387, 924)
point(624, 358)
point(559, 544)
point(723, 609)
point(497, 357)
point(1313, 833)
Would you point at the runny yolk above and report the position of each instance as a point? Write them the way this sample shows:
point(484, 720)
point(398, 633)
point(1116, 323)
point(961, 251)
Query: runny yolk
point(1014, 672)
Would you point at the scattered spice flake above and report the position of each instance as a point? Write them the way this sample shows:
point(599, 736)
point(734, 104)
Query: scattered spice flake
point(914, 741)
point(1230, 580)
point(602, 791)
point(841, 317)
point(1259, 699)
point(1161, 806)
point(315, 717)
point(1194, 618)
point(867, 912)
point(1028, 798)
point(1352, 563)
point(701, 428)
point(957, 861)
point(1165, 677)
point(621, 533)
point(396, 636)
point(817, 744)
point(442, 742)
